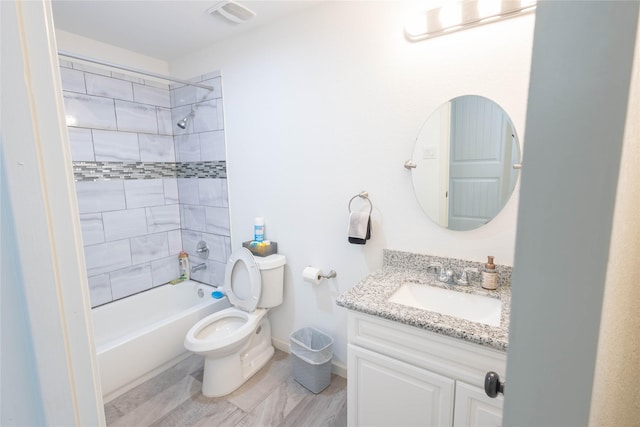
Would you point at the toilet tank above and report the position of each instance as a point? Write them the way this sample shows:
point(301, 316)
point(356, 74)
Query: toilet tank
point(272, 277)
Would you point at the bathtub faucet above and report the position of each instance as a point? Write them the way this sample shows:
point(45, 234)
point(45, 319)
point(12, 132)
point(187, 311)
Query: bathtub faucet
point(198, 267)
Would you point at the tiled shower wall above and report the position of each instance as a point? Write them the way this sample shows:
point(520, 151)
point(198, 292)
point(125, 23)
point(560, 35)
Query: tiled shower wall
point(146, 189)
point(204, 208)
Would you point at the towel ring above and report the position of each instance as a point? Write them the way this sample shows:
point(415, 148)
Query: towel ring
point(363, 195)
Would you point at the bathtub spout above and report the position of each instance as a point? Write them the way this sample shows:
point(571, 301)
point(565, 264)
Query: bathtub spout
point(198, 267)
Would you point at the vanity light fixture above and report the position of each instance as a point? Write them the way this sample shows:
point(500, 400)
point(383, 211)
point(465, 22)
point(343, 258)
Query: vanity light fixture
point(460, 15)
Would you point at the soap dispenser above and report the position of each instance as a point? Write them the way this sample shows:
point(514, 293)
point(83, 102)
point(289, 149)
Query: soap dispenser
point(489, 275)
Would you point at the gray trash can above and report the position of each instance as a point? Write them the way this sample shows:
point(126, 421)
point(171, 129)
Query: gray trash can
point(311, 351)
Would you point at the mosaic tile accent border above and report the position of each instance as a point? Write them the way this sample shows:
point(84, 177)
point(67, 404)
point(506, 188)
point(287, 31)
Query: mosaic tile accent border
point(96, 171)
point(216, 169)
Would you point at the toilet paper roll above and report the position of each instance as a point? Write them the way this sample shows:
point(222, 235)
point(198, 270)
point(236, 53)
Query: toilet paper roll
point(312, 275)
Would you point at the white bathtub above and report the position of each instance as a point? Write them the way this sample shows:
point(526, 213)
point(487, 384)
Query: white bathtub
point(139, 336)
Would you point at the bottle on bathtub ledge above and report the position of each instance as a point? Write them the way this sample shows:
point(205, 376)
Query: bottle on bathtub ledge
point(183, 260)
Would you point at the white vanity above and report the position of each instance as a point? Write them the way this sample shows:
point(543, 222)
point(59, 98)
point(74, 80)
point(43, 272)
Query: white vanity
point(412, 367)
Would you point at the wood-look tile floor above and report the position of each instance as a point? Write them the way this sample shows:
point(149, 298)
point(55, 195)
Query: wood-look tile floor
point(270, 398)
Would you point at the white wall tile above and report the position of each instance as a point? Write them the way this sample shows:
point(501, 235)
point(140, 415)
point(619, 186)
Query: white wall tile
point(213, 192)
point(100, 289)
point(123, 224)
point(92, 228)
point(188, 191)
point(157, 84)
point(113, 146)
point(72, 80)
point(135, 117)
point(106, 257)
point(81, 143)
point(212, 145)
point(217, 220)
point(130, 281)
point(175, 241)
point(184, 95)
point(156, 148)
point(144, 193)
point(206, 95)
point(207, 117)
point(148, 248)
point(127, 77)
point(163, 218)
point(91, 69)
point(220, 111)
point(109, 87)
point(151, 95)
point(190, 241)
point(170, 191)
point(90, 111)
point(100, 196)
point(193, 218)
point(216, 272)
point(166, 124)
point(164, 270)
point(219, 246)
point(187, 148)
point(225, 192)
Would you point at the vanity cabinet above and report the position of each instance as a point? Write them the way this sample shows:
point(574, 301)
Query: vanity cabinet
point(401, 375)
point(473, 408)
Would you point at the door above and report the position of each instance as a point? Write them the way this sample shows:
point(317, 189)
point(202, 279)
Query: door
point(481, 140)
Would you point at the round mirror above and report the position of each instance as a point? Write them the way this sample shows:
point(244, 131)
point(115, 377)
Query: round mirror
point(465, 163)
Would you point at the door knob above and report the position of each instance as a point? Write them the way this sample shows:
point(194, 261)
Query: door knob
point(493, 385)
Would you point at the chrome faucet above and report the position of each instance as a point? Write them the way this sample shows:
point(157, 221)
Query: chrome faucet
point(198, 267)
point(464, 278)
point(443, 275)
point(447, 276)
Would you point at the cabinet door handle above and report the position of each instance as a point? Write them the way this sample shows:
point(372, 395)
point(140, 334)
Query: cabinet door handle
point(492, 384)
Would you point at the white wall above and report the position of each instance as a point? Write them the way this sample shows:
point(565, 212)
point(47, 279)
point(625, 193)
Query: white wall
point(75, 44)
point(329, 102)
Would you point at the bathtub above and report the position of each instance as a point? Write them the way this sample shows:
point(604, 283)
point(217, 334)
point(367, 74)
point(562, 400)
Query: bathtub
point(139, 336)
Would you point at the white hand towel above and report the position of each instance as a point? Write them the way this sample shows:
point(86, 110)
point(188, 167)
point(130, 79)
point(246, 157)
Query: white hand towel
point(358, 223)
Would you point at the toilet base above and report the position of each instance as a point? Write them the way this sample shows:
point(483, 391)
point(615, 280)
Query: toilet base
point(223, 375)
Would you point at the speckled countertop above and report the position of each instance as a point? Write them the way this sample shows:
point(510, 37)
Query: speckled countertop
point(370, 296)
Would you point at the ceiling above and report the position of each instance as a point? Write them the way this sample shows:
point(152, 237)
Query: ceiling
point(162, 29)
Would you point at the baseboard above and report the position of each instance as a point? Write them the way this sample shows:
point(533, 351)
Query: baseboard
point(337, 368)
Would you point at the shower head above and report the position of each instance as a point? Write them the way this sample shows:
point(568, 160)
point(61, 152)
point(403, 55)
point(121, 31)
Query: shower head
point(182, 124)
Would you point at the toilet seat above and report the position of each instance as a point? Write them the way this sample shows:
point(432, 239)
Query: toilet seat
point(247, 324)
point(242, 282)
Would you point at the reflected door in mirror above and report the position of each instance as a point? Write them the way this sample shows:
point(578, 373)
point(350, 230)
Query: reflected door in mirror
point(464, 158)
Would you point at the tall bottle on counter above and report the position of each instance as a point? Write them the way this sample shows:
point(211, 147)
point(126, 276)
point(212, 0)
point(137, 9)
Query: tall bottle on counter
point(489, 275)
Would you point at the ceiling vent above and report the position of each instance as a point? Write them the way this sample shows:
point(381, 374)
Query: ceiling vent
point(233, 11)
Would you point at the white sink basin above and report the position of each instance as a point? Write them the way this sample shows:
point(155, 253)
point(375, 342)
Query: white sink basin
point(476, 308)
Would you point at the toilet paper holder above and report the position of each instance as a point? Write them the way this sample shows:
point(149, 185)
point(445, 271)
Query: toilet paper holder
point(329, 275)
point(314, 275)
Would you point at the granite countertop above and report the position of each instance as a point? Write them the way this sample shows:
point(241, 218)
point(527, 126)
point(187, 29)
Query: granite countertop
point(370, 296)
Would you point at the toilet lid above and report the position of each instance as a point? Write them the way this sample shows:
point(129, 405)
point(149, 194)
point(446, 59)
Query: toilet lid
point(242, 281)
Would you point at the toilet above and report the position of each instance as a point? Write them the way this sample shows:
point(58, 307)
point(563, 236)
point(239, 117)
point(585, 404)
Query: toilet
point(236, 341)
